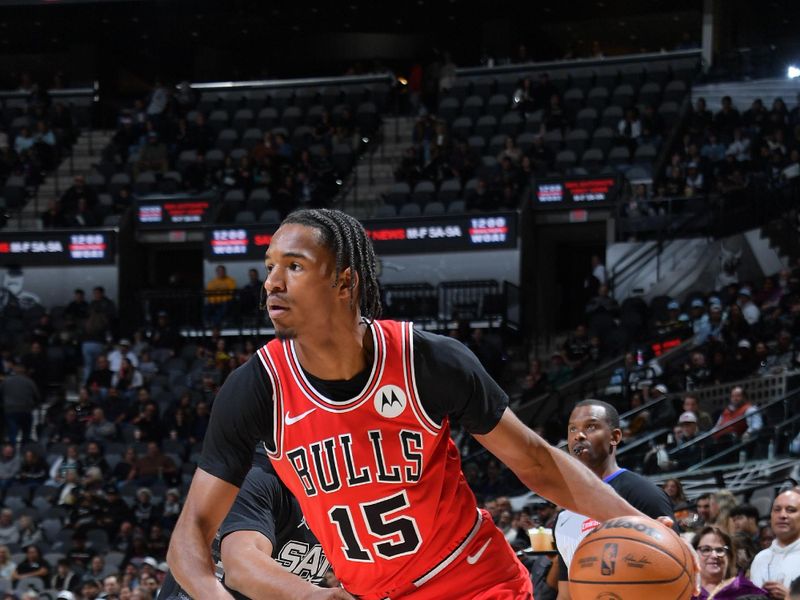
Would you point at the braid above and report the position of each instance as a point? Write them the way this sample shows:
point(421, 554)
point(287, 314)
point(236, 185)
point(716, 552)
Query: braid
point(352, 248)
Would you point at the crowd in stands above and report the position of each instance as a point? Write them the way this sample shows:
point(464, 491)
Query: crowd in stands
point(485, 140)
point(275, 152)
point(723, 153)
point(36, 131)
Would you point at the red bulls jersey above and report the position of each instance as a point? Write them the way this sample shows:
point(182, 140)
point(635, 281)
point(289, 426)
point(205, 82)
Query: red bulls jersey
point(378, 480)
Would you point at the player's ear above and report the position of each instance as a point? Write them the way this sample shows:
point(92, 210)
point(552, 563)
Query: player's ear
point(616, 436)
point(348, 280)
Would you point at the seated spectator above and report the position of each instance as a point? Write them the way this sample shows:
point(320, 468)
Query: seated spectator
point(251, 292)
point(153, 466)
point(775, 567)
point(7, 565)
point(33, 566)
point(750, 311)
point(697, 372)
point(145, 512)
point(29, 531)
point(744, 519)
point(718, 577)
point(690, 404)
point(99, 429)
point(33, 470)
point(127, 379)
point(123, 469)
point(713, 150)
point(94, 458)
point(555, 117)
point(152, 156)
point(577, 348)
point(64, 577)
point(10, 464)
point(70, 460)
point(629, 128)
point(172, 508)
point(97, 569)
point(69, 491)
point(695, 184)
point(122, 351)
point(99, 379)
point(481, 198)
point(738, 407)
point(9, 534)
point(80, 554)
point(559, 371)
point(700, 118)
point(783, 357)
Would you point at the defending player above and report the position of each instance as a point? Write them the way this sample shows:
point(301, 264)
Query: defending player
point(356, 414)
point(262, 541)
point(593, 434)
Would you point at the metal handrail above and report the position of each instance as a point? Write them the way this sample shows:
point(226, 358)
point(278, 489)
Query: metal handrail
point(640, 441)
point(298, 82)
point(580, 62)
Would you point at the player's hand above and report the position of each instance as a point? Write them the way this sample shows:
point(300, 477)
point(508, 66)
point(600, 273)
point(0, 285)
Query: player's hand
point(695, 559)
point(776, 589)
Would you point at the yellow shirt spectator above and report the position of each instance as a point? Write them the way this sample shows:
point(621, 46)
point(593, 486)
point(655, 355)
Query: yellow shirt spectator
point(220, 289)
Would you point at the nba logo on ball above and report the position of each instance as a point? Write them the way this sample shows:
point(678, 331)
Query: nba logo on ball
point(609, 559)
point(631, 558)
point(390, 401)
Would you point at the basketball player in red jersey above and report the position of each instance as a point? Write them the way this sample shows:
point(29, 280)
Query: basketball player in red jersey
point(355, 413)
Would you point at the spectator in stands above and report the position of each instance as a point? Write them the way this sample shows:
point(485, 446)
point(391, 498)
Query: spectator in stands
point(713, 150)
point(7, 565)
point(739, 406)
point(776, 567)
point(559, 371)
point(718, 578)
point(744, 519)
point(70, 460)
point(78, 308)
point(727, 119)
point(697, 372)
point(250, 294)
point(119, 354)
point(9, 467)
point(153, 466)
point(602, 302)
point(481, 198)
point(20, 396)
point(33, 470)
point(70, 199)
point(99, 429)
point(524, 96)
point(94, 457)
point(29, 531)
point(152, 156)
point(695, 184)
point(145, 512)
point(783, 358)
point(111, 586)
point(755, 118)
point(750, 311)
point(9, 534)
point(736, 327)
point(663, 413)
point(555, 117)
point(690, 404)
point(127, 380)
point(33, 566)
point(629, 128)
point(219, 296)
point(64, 577)
point(703, 508)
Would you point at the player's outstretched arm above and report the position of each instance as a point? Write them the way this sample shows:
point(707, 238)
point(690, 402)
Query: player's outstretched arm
point(551, 473)
point(250, 570)
point(189, 554)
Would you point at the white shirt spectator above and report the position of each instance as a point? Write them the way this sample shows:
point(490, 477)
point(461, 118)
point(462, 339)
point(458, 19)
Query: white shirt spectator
point(776, 563)
point(600, 273)
point(751, 313)
point(117, 354)
point(740, 149)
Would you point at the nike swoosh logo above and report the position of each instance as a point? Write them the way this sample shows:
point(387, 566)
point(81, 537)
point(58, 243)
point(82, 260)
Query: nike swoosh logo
point(476, 557)
point(290, 420)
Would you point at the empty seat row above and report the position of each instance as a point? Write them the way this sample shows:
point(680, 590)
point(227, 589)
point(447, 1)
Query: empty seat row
point(329, 97)
point(289, 117)
point(585, 78)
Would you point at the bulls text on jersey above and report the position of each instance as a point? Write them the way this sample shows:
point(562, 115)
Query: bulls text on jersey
point(327, 465)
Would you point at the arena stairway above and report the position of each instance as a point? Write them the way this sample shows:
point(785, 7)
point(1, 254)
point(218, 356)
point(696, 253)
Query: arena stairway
point(85, 154)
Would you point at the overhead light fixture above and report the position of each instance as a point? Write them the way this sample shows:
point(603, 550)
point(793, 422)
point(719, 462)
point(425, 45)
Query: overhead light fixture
point(792, 72)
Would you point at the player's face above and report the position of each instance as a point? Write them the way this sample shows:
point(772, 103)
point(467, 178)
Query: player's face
point(589, 436)
point(785, 517)
point(299, 283)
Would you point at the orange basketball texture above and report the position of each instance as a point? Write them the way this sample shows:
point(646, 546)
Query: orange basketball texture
point(632, 558)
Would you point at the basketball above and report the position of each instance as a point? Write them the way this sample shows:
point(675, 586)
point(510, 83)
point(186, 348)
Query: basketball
point(631, 558)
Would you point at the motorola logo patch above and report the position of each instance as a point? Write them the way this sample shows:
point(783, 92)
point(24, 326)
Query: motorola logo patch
point(390, 401)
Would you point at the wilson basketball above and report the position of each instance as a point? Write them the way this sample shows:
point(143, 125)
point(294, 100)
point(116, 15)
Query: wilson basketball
point(632, 558)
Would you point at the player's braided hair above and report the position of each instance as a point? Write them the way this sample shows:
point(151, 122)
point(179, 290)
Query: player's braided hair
point(348, 241)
